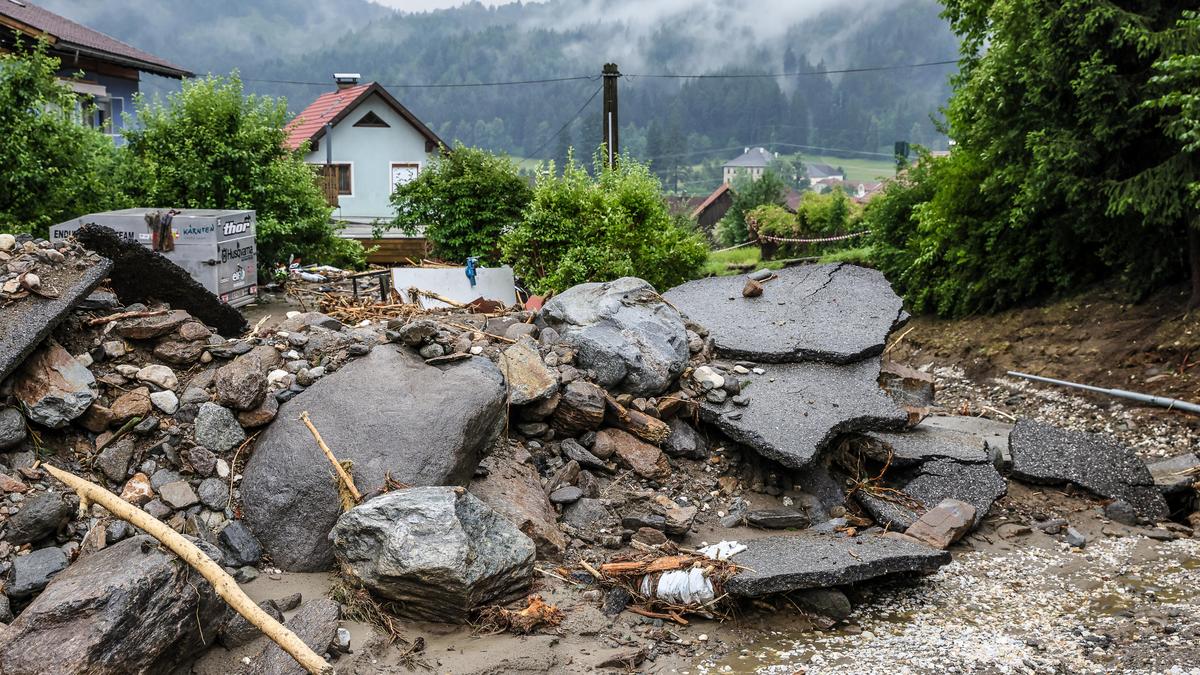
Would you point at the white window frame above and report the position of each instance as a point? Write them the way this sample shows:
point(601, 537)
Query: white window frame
point(392, 164)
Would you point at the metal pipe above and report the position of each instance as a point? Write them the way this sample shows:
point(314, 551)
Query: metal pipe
point(1162, 401)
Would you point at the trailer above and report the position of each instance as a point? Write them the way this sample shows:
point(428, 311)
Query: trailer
point(216, 247)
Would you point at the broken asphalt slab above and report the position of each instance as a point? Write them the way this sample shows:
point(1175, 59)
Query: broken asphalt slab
point(25, 324)
point(812, 560)
point(797, 410)
point(141, 275)
point(1047, 455)
point(835, 313)
point(926, 441)
point(978, 484)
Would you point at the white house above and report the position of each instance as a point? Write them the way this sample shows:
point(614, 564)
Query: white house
point(366, 143)
point(753, 162)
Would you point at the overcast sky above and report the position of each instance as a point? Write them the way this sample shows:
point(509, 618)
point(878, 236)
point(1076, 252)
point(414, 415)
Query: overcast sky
point(421, 5)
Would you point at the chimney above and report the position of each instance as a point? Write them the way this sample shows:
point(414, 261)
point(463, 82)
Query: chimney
point(746, 151)
point(346, 80)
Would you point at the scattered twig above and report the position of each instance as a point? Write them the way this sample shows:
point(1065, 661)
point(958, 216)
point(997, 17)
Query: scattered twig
point(125, 315)
point(125, 428)
point(337, 466)
point(899, 339)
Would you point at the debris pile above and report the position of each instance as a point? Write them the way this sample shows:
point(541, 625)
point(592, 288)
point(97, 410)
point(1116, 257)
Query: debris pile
point(442, 459)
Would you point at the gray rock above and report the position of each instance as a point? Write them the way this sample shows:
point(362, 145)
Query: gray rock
point(836, 313)
point(217, 429)
point(203, 461)
point(12, 428)
point(813, 560)
point(800, 409)
point(388, 413)
point(40, 516)
point(684, 441)
point(165, 401)
point(305, 320)
point(528, 378)
point(416, 333)
point(520, 330)
point(1173, 475)
point(114, 460)
point(1048, 455)
point(238, 630)
point(241, 384)
point(162, 477)
point(31, 573)
point(778, 519)
point(129, 608)
point(438, 552)
point(53, 388)
point(157, 508)
point(6, 615)
point(568, 494)
point(1075, 538)
point(315, 623)
point(213, 493)
point(178, 495)
point(943, 524)
point(828, 602)
point(1122, 512)
point(580, 409)
point(587, 514)
point(623, 331)
point(431, 351)
point(240, 544)
point(571, 449)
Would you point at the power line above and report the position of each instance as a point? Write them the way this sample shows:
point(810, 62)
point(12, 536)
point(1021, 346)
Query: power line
point(772, 143)
point(842, 71)
point(459, 85)
point(568, 123)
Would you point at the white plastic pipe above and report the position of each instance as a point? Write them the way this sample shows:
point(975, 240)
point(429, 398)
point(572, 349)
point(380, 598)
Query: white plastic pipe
point(1163, 401)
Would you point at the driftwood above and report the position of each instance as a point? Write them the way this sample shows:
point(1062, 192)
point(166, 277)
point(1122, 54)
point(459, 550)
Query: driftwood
point(337, 466)
point(124, 315)
point(645, 427)
point(222, 583)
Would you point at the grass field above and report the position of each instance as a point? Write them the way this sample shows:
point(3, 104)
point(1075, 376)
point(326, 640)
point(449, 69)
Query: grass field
point(857, 169)
point(719, 261)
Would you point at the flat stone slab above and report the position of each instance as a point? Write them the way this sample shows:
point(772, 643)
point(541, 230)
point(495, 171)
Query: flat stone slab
point(836, 313)
point(797, 410)
point(24, 324)
point(925, 442)
point(994, 434)
point(814, 560)
point(1048, 455)
point(1177, 473)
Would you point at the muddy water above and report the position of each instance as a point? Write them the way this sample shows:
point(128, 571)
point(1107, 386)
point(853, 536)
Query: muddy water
point(1123, 604)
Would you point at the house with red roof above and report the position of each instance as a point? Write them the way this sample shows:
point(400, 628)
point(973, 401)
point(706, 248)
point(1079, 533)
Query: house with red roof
point(365, 143)
point(102, 71)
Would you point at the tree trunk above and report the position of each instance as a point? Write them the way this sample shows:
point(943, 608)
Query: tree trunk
point(1194, 263)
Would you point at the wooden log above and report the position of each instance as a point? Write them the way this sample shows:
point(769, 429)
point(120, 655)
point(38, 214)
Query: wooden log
point(337, 466)
point(645, 427)
point(222, 583)
point(124, 315)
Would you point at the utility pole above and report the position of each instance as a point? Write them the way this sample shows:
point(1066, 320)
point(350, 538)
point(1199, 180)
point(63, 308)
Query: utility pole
point(611, 126)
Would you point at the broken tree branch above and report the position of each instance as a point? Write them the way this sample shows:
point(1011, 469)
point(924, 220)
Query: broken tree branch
point(337, 466)
point(125, 315)
point(639, 424)
point(222, 583)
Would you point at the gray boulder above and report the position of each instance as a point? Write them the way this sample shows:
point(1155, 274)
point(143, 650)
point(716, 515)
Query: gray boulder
point(40, 516)
point(389, 414)
point(53, 387)
point(438, 552)
point(624, 332)
point(1048, 455)
point(129, 608)
point(814, 560)
point(836, 313)
point(31, 573)
point(12, 428)
point(799, 409)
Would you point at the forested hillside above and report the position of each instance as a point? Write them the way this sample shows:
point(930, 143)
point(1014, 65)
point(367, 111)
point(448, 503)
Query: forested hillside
point(291, 49)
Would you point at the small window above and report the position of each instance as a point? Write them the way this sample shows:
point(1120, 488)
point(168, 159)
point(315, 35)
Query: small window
point(404, 172)
point(344, 182)
point(371, 120)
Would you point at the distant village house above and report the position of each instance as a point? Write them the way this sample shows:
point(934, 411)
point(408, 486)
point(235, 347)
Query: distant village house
point(753, 162)
point(111, 69)
point(362, 144)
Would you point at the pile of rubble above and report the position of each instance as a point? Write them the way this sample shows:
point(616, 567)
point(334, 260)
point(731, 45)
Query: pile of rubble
point(615, 424)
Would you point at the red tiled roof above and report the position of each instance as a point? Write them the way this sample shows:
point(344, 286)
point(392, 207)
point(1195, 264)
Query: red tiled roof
point(327, 106)
point(70, 36)
point(331, 107)
point(711, 198)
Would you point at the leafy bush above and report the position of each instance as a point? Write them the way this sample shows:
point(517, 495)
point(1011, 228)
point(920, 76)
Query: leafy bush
point(578, 229)
point(749, 194)
point(772, 219)
point(54, 168)
point(464, 200)
point(212, 146)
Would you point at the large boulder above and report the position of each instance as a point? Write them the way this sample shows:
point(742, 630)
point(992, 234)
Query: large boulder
point(835, 312)
point(817, 560)
point(515, 491)
point(438, 552)
point(40, 516)
point(129, 608)
point(798, 409)
point(389, 414)
point(624, 332)
point(53, 387)
point(1048, 455)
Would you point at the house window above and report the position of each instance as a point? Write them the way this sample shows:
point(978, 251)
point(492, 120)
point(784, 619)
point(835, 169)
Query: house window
point(342, 175)
point(371, 120)
point(404, 172)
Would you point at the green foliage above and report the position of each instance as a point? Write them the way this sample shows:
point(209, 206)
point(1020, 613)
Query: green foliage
point(826, 213)
point(212, 146)
point(772, 219)
point(1050, 126)
point(749, 194)
point(578, 228)
point(465, 199)
point(54, 168)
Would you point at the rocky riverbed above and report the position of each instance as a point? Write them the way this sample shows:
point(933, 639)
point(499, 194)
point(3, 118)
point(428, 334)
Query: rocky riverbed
point(540, 489)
